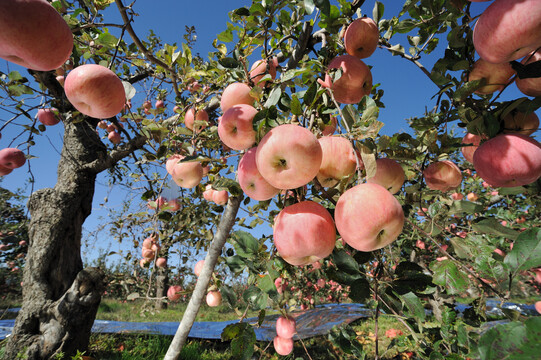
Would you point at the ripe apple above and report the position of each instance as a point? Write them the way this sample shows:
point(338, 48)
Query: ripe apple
point(281, 285)
point(173, 204)
point(214, 298)
point(220, 197)
point(207, 194)
point(235, 94)
point(48, 116)
point(198, 267)
point(530, 86)
point(144, 263)
point(286, 327)
point(468, 151)
point(173, 293)
point(508, 30)
point(331, 128)
point(389, 174)
point(12, 158)
point(368, 217)
point(4, 170)
point(114, 137)
point(147, 105)
point(147, 253)
point(95, 91)
point(338, 160)
point(361, 38)
point(472, 196)
point(161, 262)
point(457, 196)
point(34, 35)
point(159, 104)
point(442, 175)
point(283, 346)
point(147, 243)
point(355, 82)
point(304, 233)
point(190, 118)
point(508, 160)
point(288, 156)
point(259, 69)
point(236, 127)
point(251, 181)
point(497, 76)
point(186, 174)
point(103, 124)
point(517, 122)
point(538, 306)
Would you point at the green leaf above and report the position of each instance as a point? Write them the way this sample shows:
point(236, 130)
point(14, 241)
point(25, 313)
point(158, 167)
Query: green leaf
point(229, 296)
point(324, 6)
point(228, 184)
point(447, 275)
point(345, 262)
point(309, 6)
point(526, 253)
point(242, 11)
point(235, 263)
point(467, 207)
point(274, 97)
point(225, 36)
point(310, 94)
point(255, 297)
point(246, 245)
point(229, 63)
point(359, 290)
point(351, 115)
point(514, 340)
point(242, 346)
point(493, 227)
point(266, 284)
point(377, 11)
point(296, 108)
point(414, 305)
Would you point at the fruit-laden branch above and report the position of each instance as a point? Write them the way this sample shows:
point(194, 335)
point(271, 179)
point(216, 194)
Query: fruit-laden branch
point(143, 49)
point(116, 155)
point(215, 249)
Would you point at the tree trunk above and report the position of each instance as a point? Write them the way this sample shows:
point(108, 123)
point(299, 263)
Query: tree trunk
point(60, 298)
point(162, 280)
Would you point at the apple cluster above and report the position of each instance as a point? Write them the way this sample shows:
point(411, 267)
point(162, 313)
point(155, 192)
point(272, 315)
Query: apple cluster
point(214, 296)
point(150, 251)
point(286, 327)
point(162, 203)
point(506, 31)
point(219, 197)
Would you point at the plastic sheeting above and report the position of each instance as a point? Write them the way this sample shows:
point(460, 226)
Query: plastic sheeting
point(310, 323)
point(318, 321)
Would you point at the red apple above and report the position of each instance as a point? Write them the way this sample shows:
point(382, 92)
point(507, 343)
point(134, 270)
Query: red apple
point(338, 160)
point(368, 217)
point(442, 175)
point(530, 86)
point(185, 174)
point(508, 160)
point(4, 170)
point(286, 327)
point(12, 158)
point(34, 35)
point(102, 124)
point(199, 267)
point(220, 197)
point(147, 253)
point(236, 127)
point(281, 285)
point(468, 151)
point(174, 205)
point(355, 82)
point(259, 69)
point(508, 30)
point(389, 174)
point(161, 262)
point(251, 181)
point(190, 119)
point(159, 104)
point(214, 298)
point(497, 76)
point(304, 233)
point(330, 128)
point(95, 91)
point(457, 196)
point(207, 194)
point(283, 346)
point(538, 306)
point(48, 116)
point(235, 94)
point(472, 196)
point(517, 122)
point(361, 38)
point(288, 156)
point(114, 137)
point(144, 263)
point(173, 293)
point(147, 105)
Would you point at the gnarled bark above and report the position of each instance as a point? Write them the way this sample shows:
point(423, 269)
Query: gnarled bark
point(60, 298)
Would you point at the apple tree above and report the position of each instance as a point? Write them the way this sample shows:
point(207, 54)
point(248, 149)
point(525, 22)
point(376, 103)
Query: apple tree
point(285, 76)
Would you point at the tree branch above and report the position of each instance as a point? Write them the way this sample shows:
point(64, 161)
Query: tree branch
point(224, 228)
point(116, 155)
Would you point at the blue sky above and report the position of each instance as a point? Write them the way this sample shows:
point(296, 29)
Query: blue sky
point(408, 92)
